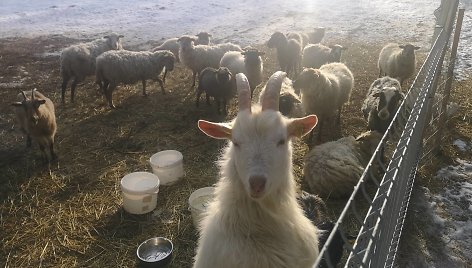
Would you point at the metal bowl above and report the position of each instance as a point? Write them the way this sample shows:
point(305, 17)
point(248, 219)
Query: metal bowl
point(155, 252)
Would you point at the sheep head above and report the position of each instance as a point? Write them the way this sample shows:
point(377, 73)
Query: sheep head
point(203, 38)
point(307, 79)
point(260, 149)
point(408, 50)
point(186, 41)
point(30, 106)
point(368, 141)
point(114, 41)
point(336, 52)
point(276, 40)
point(389, 100)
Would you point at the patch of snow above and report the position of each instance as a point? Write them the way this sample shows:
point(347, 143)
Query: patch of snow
point(462, 145)
point(451, 210)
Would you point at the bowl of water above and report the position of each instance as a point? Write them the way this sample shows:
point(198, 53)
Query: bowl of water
point(155, 252)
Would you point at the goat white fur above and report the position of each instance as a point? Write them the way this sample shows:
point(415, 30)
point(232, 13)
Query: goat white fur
point(397, 61)
point(334, 168)
point(248, 62)
point(198, 57)
point(314, 56)
point(78, 61)
point(255, 209)
point(129, 67)
point(171, 44)
point(324, 91)
point(37, 120)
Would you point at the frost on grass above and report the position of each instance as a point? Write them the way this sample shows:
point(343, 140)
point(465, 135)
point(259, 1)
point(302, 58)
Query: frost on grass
point(452, 211)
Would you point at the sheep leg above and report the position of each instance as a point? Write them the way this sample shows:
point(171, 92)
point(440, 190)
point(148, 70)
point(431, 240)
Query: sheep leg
point(199, 93)
point(338, 119)
point(208, 99)
point(51, 149)
point(43, 153)
point(162, 85)
point(225, 112)
point(72, 92)
point(106, 83)
point(65, 80)
point(165, 74)
point(108, 95)
point(194, 78)
point(144, 88)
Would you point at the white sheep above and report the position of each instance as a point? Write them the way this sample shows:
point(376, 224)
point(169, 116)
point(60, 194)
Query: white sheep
point(198, 57)
point(171, 44)
point(217, 83)
point(302, 38)
point(248, 62)
point(324, 91)
point(397, 61)
point(128, 67)
point(37, 120)
point(315, 55)
point(332, 169)
point(78, 61)
point(288, 52)
point(255, 210)
point(381, 103)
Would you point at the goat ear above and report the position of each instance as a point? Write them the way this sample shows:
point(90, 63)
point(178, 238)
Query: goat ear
point(17, 104)
point(299, 127)
point(215, 130)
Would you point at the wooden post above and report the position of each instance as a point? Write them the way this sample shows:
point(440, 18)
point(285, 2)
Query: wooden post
point(450, 76)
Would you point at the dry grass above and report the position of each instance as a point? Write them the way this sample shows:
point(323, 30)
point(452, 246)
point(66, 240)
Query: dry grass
point(69, 214)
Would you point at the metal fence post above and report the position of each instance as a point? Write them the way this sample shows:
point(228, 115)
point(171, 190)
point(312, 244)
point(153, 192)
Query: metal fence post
point(447, 88)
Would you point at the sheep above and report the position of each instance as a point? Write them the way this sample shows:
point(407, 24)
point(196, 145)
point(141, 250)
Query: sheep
point(381, 103)
point(198, 57)
point(302, 38)
point(217, 83)
point(316, 36)
point(332, 169)
point(314, 56)
point(37, 121)
point(129, 67)
point(248, 62)
point(288, 52)
point(78, 61)
point(324, 91)
point(255, 208)
point(397, 61)
point(203, 38)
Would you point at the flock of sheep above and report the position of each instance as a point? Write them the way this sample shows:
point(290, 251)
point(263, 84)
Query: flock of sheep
point(255, 209)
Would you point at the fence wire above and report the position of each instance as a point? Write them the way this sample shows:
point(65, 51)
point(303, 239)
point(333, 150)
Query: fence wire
point(377, 208)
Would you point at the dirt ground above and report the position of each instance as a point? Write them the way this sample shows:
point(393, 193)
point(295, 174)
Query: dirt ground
point(70, 214)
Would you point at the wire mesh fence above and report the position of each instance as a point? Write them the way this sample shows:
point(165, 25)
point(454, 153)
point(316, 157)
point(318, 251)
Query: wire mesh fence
point(377, 208)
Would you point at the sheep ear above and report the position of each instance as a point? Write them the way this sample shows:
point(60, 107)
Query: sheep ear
point(299, 127)
point(215, 130)
point(401, 46)
point(260, 53)
point(416, 48)
point(107, 37)
point(344, 48)
point(121, 36)
point(17, 104)
point(376, 94)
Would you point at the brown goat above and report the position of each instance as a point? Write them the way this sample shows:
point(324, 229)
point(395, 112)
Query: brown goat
point(37, 120)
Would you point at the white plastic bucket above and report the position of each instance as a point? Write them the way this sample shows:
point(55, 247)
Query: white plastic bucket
point(199, 201)
point(139, 191)
point(168, 166)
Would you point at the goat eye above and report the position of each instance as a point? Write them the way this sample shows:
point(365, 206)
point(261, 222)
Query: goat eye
point(281, 142)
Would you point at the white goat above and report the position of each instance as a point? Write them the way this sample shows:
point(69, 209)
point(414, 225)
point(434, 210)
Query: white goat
point(255, 210)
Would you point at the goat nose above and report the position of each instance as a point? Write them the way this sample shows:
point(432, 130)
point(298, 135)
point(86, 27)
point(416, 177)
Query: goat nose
point(257, 184)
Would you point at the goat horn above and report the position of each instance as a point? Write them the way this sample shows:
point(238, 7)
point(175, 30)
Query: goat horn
point(24, 95)
point(244, 92)
point(32, 94)
point(270, 99)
